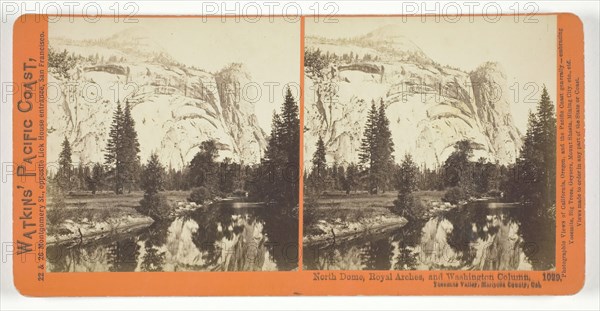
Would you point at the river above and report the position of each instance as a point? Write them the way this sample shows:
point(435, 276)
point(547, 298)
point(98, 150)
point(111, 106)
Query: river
point(225, 236)
point(477, 236)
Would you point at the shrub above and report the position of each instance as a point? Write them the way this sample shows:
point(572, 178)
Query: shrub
point(155, 206)
point(240, 193)
point(310, 213)
point(494, 193)
point(454, 195)
point(57, 211)
point(200, 195)
point(410, 207)
point(60, 62)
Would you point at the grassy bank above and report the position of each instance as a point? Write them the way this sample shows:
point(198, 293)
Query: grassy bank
point(337, 216)
point(82, 216)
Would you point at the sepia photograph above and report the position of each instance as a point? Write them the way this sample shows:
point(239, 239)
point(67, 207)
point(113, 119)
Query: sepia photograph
point(430, 145)
point(173, 145)
point(327, 149)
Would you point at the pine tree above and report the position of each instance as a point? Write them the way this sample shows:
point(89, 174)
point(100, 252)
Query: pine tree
point(376, 151)
point(291, 129)
point(291, 143)
point(528, 164)
point(65, 169)
point(547, 142)
point(407, 184)
point(533, 183)
point(351, 178)
point(274, 146)
point(95, 180)
point(384, 149)
point(114, 156)
point(279, 171)
point(78, 177)
point(536, 165)
point(340, 177)
point(131, 148)
point(368, 148)
point(122, 151)
point(203, 167)
point(152, 176)
point(154, 204)
point(268, 171)
point(319, 168)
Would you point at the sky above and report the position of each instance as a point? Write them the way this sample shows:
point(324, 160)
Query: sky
point(270, 50)
point(527, 51)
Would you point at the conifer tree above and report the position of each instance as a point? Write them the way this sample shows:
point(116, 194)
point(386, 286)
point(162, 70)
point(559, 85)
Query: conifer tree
point(95, 180)
point(268, 171)
point(407, 184)
point(279, 172)
point(536, 166)
point(376, 151)
point(319, 168)
point(291, 143)
point(384, 149)
point(368, 148)
point(274, 146)
point(351, 178)
point(114, 156)
point(122, 150)
point(152, 176)
point(340, 179)
point(547, 142)
point(65, 168)
point(131, 148)
point(534, 183)
point(154, 204)
point(291, 129)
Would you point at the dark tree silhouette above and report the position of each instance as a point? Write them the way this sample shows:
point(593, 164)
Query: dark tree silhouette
point(368, 149)
point(203, 167)
point(407, 184)
point(278, 174)
point(131, 148)
point(318, 173)
point(114, 156)
point(152, 176)
point(65, 167)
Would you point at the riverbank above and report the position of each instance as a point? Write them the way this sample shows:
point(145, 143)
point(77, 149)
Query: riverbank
point(336, 216)
point(83, 217)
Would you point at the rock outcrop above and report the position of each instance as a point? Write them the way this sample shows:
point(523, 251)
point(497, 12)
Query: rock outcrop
point(175, 107)
point(430, 106)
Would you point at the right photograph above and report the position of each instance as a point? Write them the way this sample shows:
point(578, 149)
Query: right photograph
point(430, 143)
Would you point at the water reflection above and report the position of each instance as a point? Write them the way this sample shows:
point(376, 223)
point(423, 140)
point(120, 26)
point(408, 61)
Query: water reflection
point(474, 237)
point(218, 238)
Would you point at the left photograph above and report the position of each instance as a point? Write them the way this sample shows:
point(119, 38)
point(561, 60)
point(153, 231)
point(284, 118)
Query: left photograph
point(172, 145)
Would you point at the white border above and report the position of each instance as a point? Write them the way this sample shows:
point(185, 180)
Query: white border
point(588, 11)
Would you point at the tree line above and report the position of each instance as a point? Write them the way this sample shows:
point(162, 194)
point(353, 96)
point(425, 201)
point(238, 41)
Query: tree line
point(316, 60)
point(373, 172)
